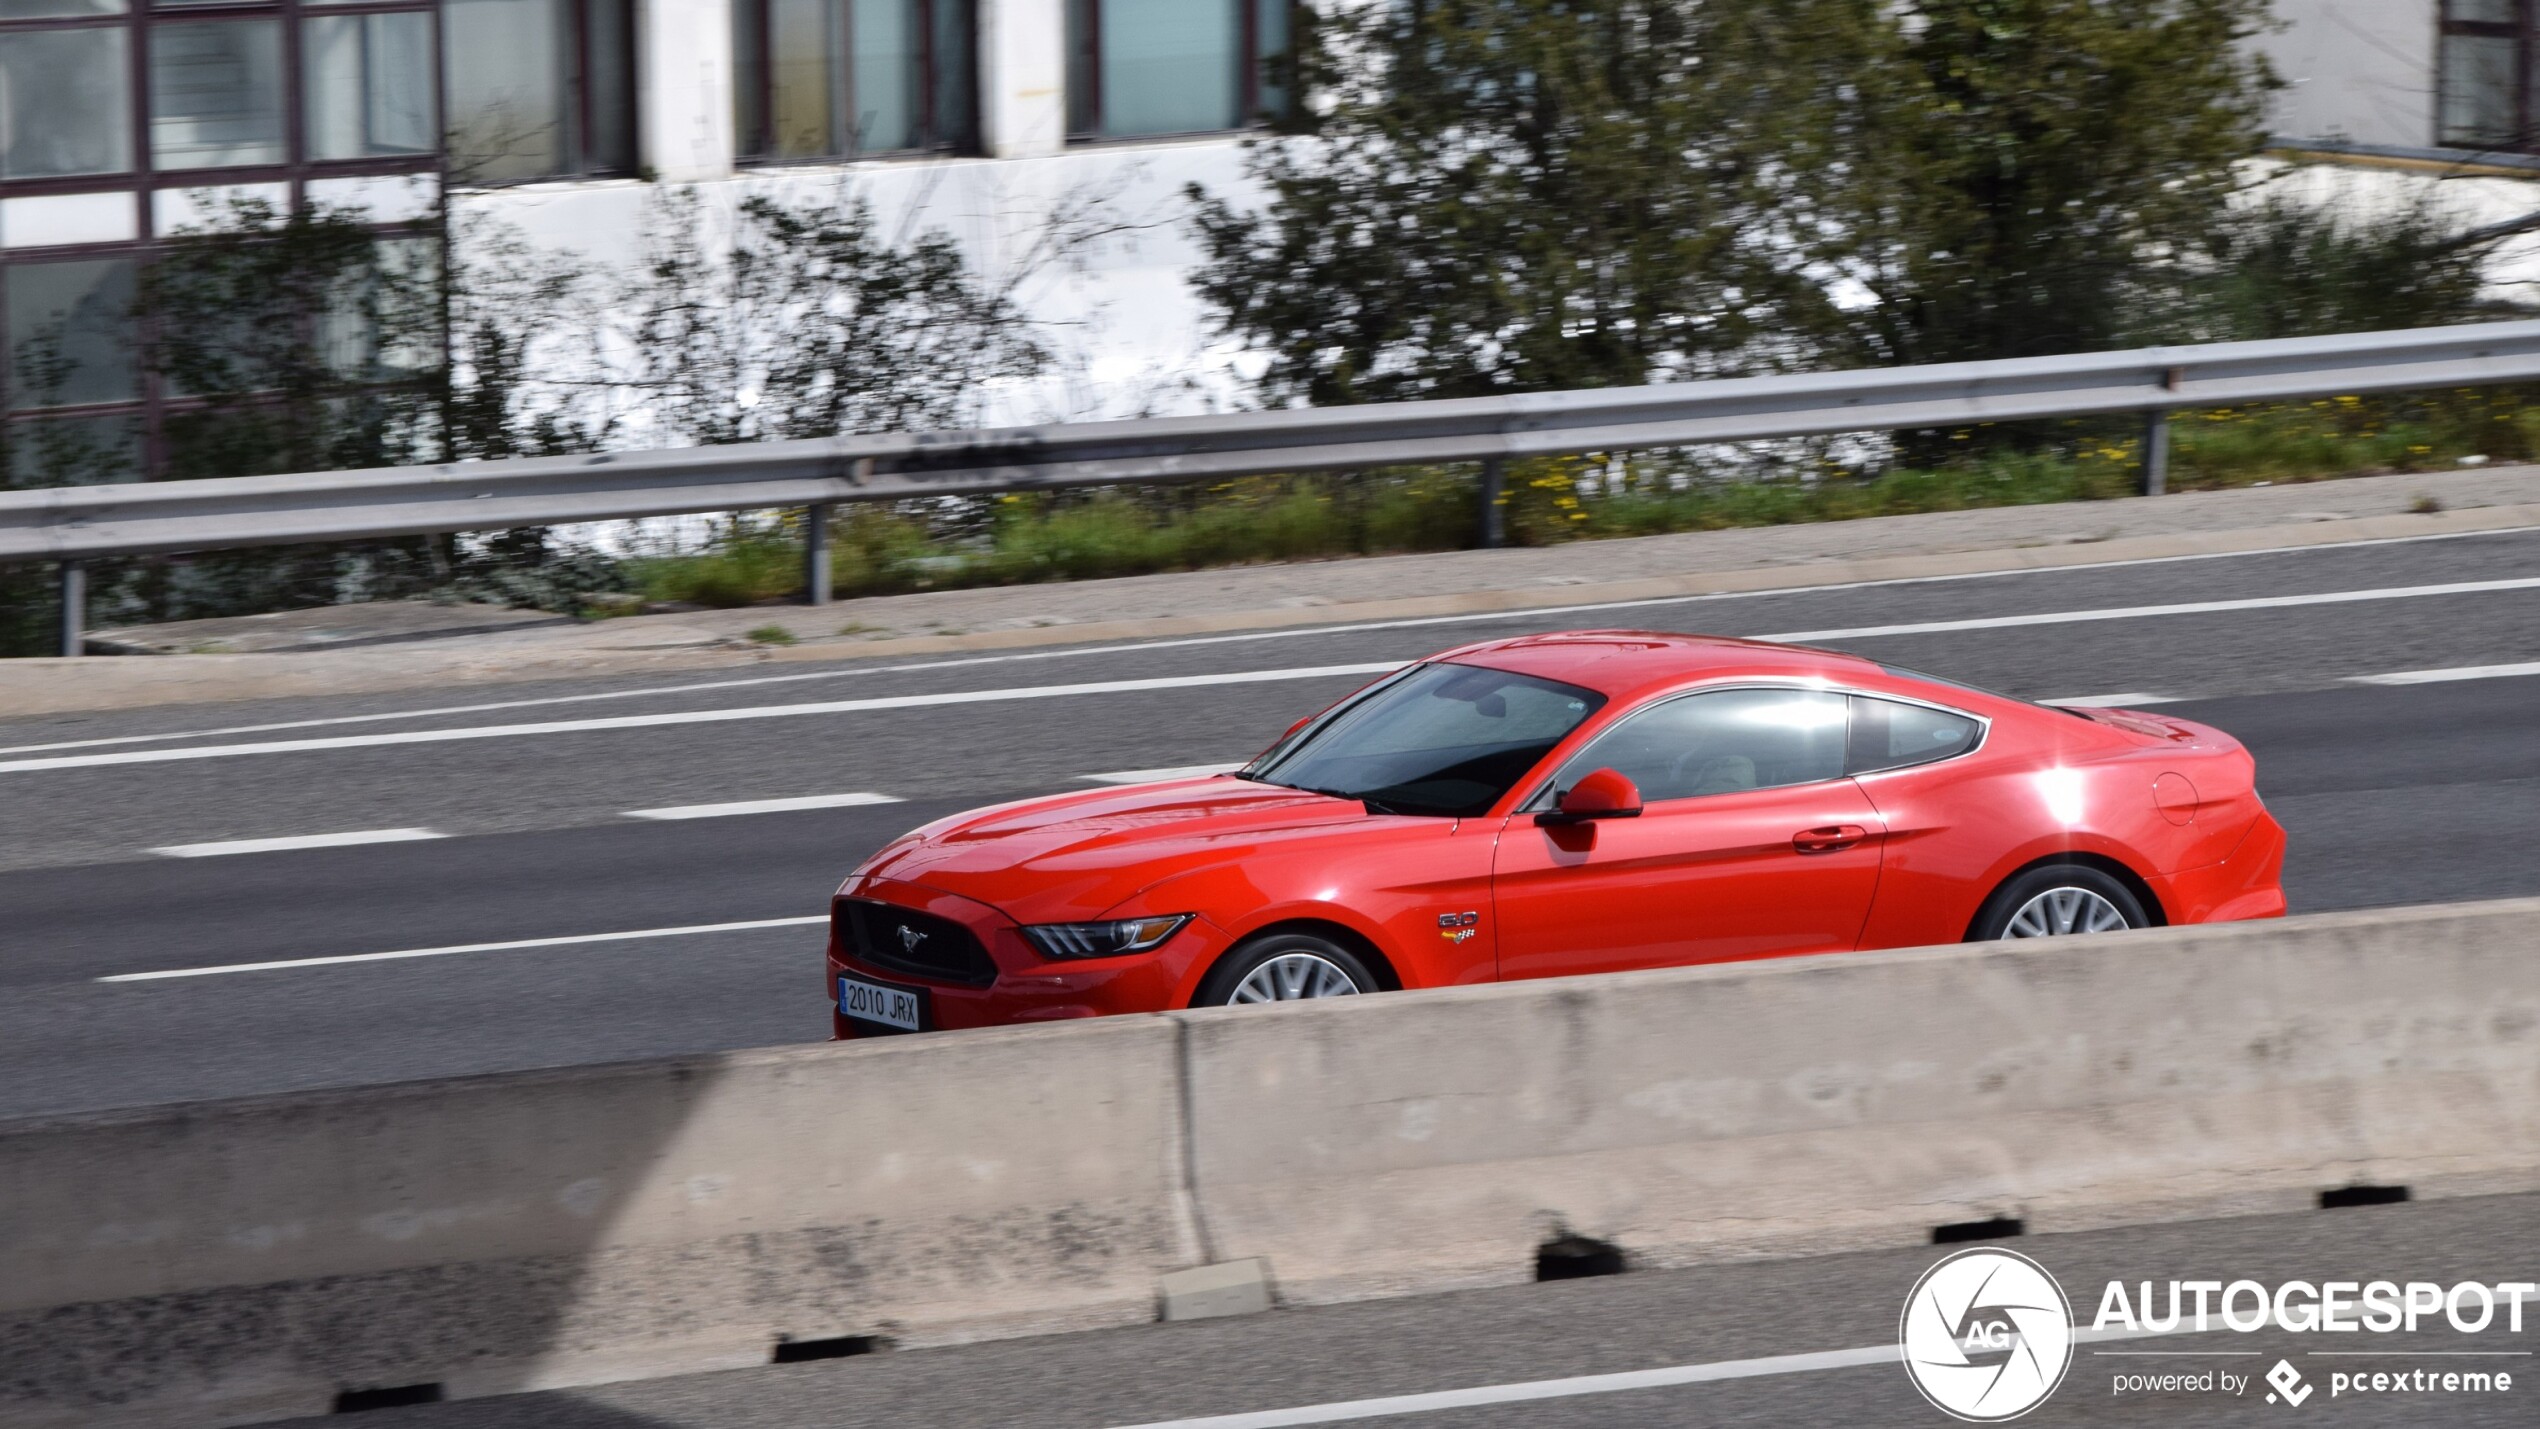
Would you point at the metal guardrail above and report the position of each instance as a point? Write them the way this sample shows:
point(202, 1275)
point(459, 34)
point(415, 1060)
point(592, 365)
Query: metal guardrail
point(70, 525)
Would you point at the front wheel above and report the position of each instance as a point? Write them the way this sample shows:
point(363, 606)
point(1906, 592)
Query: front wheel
point(1285, 967)
point(2056, 901)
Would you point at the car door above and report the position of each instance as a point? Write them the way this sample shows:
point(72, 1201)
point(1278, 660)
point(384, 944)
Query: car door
point(1751, 842)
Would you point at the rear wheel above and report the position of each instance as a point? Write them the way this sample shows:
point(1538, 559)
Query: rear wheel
point(1285, 967)
point(2057, 901)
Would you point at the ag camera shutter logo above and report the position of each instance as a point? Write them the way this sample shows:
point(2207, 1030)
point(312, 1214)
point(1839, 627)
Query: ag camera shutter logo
point(1987, 1335)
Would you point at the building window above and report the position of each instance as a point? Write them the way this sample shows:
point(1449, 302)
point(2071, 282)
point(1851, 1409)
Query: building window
point(70, 331)
point(216, 95)
point(539, 88)
point(367, 85)
point(68, 102)
point(825, 79)
point(1145, 67)
point(116, 114)
point(2484, 86)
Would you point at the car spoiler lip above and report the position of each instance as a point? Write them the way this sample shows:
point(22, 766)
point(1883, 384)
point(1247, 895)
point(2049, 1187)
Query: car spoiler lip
point(2155, 726)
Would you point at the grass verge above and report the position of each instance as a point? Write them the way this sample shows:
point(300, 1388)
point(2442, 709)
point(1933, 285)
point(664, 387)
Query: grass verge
point(1082, 535)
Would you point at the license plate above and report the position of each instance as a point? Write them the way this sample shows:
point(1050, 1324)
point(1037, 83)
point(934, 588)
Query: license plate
point(890, 1006)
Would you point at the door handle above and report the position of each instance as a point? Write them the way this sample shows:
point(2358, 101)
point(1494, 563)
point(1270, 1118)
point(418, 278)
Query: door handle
point(1830, 838)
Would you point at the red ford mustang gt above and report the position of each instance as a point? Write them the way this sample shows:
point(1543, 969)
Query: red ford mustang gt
point(1556, 804)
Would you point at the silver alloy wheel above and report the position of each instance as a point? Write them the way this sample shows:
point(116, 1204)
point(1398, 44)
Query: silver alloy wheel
point(1290, 976)
point(2059, 911)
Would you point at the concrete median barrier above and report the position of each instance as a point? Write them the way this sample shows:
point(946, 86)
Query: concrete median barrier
point(227, 1262)
point(246, 1260)
point(1364, 1147)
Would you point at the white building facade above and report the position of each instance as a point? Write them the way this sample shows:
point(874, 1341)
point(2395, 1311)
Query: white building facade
point(125, 118)
point(2391, 101)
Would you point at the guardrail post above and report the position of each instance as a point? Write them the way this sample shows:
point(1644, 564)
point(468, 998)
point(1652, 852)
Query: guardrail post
point(2156, 451)
point(816, 555)
point(74, 608)
point(1494, 528)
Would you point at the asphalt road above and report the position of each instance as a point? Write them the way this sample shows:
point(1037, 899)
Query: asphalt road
point(1320, 1359)
point(2393, 793)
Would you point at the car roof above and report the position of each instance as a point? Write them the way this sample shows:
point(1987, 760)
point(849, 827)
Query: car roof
point(1621, 663)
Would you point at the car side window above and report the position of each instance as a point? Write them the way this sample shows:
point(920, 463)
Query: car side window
point(1890, 734)
point(1722, 742)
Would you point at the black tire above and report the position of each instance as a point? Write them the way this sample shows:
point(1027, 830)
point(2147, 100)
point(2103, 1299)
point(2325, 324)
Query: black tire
point(1219, 987)
point(1994, 920)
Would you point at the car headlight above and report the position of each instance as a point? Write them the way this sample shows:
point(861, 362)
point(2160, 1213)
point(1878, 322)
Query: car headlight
point(1103, 940)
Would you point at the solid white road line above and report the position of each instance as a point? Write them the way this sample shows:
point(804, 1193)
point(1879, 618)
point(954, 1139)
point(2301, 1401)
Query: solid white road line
point(2141, 612)
point(1158, 776)
point(2126, 701)
point(761, 806)
point(1818, 1361)
point(582, 726)
point(363, 836)
point(2458, 672)
point(1570, 1388)
point(1238, 637)
point(628, 937)
point(1178, 682)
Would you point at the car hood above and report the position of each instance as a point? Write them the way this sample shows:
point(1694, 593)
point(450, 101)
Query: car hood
point(1076, 856)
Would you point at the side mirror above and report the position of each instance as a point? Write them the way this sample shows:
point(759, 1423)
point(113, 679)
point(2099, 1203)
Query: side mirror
point(1604, 794)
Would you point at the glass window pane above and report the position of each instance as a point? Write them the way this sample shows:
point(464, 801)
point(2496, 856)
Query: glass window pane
point(749, 78)
point(956, 109)
point(2480, 90)
point(505, 73)
point(369, 85)
point(1438, 739)
point(50, 9)
point(70, 333)
point(74, 451)
point(609, 147)
point(1271, 21)
point(1169, 66)
point(69, 105)
point(885, 79)
point(1083, 77)
point(2488, 12)
point(1724, 743)
point(380, 322)
point(803, 49)
point(216, 94)
point(1889, 734)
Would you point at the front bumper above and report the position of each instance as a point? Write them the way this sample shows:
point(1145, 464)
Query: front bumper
point(1028, 987)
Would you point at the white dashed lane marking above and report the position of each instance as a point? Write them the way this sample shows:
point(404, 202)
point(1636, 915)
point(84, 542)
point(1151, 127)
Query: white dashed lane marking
point(516, 945)
point(2457, 672)
point(1158, 776)
point(362, 836)
point(762, 806)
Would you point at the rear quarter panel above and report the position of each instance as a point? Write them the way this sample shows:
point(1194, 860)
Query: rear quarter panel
point(2046, 783)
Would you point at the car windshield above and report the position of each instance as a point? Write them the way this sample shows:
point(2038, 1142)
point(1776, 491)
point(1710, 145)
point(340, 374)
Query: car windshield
point(1439, 739)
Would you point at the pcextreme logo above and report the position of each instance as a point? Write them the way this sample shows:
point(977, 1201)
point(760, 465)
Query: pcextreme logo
point(1987, 1335)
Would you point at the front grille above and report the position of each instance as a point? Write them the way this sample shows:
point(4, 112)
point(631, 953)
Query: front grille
point(906, 941)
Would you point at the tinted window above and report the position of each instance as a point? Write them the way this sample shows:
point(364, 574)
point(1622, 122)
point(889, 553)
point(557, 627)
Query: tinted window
point(1888, 734)
point(1442, 739)
point(1725, 742)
